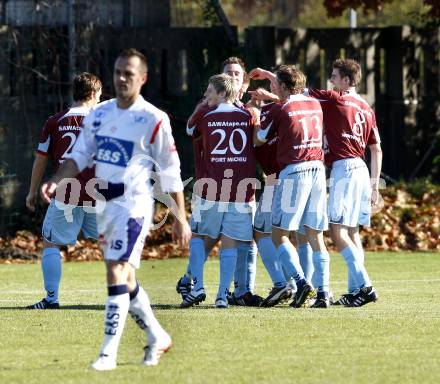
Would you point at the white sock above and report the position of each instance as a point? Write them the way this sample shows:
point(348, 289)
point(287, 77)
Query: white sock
point(141, 312)
point(116, 309)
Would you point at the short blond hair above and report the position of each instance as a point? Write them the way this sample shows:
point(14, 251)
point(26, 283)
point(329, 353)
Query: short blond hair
point(225, 83)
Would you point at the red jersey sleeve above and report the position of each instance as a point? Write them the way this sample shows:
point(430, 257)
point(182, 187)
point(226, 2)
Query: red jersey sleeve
point(374, 137)
point(191, 126)
point(323, 94)
point(45, 137)
point(269, 118)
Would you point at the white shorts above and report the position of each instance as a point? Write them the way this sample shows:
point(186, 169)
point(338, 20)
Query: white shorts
point(63, 222)
point(350, 193)
point(122, 232)
point(301, 198)
point(213, 218)
point(263, 215)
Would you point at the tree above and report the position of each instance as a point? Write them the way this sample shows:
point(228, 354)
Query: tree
point(337, 7)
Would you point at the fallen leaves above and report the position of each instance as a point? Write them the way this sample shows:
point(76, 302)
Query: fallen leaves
point(404, 223)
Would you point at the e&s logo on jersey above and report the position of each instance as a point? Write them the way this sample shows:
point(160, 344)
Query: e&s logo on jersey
point(113, 151)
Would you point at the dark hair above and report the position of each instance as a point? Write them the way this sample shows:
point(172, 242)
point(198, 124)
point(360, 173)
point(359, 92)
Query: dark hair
point(291, 77)
point(130, 52)
point(84, 85)
point(349, 68)
point(233, 60)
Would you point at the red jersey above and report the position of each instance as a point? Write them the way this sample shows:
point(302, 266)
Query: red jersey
point(57, 139)
point(298, 123)
point(201, 110)
point(226, 152)
point(266, 154)
point(349, 124)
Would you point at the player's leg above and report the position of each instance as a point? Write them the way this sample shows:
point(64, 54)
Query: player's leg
point(305, 254)
point(251, 270)
point(228, 260)
point(51, 267)
point(353, 258)
point(353, 232)
point(115, 313)
point(61, 226)
point(236, 238)
point(321, 263)
point(288, 257)
point(205, 223)
point(288, 205)
point(197, 257)
point(281, 290)
point(158, 340)
point(313, 222)
point(185, 284)
point(240, 272)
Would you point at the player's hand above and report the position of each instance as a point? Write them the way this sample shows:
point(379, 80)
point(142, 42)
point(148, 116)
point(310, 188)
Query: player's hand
point(374, 197)
point(31, 200)
point(48, 191)
point(260, 74)
point(181, 233)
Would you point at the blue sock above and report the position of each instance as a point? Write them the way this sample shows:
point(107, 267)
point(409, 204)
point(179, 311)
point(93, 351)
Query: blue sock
point(321, 262)
point(187, 277)
point(352, 284)
point(197, 260)
point(272, 264)
point(251, 267)
point(355, 268)
point(290, 261)
point(51, 266)
point(228, 259)
point(240, 275)
point(305, 254)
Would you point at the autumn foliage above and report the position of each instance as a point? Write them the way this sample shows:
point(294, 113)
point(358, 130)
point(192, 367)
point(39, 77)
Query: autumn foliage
point(337, 7)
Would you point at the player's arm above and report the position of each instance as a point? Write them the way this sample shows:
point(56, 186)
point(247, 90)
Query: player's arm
point(38, 169)
point(375, 169)
point(181, 230)
point(262, 74)
point(261, 94)
point(68, 169)
point(195, 116)
point(265, 124)
point(168, 167)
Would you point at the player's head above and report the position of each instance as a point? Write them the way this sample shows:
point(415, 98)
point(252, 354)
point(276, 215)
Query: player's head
point(129, 75)
point(290, 81)
point(86, 88)
point(346, 73)
point(221, 88)
point(234, 67)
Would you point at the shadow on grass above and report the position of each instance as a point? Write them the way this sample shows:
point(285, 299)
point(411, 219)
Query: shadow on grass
point(96, 307)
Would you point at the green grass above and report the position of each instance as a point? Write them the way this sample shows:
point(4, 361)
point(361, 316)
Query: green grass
point(396, 340)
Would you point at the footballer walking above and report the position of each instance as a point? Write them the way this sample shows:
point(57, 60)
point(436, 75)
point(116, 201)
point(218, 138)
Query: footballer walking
point(128, 137)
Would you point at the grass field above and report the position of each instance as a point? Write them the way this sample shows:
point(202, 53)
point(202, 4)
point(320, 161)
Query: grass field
point(396, 340)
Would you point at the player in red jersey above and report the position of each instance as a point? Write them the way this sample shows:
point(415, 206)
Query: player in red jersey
point(245, 272)
point(224, 194)
point(72, 210)
point(266, 155)
point(350, 126)
point(300, 198)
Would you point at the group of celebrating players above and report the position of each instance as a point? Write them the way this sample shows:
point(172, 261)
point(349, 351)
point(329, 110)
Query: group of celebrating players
point(111, 150)
point(290, 136)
